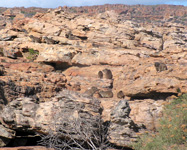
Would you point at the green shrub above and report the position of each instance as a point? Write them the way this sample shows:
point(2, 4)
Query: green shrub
point(172, 132)
point(32, 54)
point(1, 52)
point(12, 18)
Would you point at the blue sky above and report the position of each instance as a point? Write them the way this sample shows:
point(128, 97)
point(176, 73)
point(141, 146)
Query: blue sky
point(56, 3)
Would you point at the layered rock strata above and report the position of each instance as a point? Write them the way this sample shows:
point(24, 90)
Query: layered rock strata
point(53, 51)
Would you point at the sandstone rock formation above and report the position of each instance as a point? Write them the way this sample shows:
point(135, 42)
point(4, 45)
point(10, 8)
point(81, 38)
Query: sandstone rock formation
point(82, 46)
point(122, 130)
point(30, 117)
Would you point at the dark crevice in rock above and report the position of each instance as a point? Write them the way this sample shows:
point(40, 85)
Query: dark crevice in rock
point(3, 99)
point(27, 90)
point(24, 139)
point(19, 54)
point(180, 78)
point(152, 95)
point(82, 38)
point(8, 38)
point(20, 30)
point(152, 34)
point(9, 90)
point(81, 65)
point(59, 65)
point(86, 29)
point(97, 45)
point(102, 63)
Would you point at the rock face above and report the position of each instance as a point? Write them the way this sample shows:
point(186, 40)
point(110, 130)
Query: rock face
point(122, 130)
point(5, 135)
point(146, 112)
point(101, 56)
point(27, 115)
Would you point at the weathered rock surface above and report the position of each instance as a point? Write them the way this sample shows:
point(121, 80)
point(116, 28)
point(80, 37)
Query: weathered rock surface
point(5, 135)
point(29, 116)
point(29, 79)
point(122, 130)
point(146, 112)
point(82, 46)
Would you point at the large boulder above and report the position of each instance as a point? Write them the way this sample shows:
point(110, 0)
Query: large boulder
point(122, 130)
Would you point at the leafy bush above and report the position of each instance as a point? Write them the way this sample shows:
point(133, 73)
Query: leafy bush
point(172, 132)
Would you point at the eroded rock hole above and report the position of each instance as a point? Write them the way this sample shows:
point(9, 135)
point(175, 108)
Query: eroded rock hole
point(153, 95)
point(82, 38)
point(24, 139)
point(59, 65)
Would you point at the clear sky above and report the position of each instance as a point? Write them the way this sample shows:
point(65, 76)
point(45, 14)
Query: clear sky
point(56, 3)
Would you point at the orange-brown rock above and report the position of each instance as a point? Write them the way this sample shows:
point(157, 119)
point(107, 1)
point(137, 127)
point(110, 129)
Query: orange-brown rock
point(84, 45)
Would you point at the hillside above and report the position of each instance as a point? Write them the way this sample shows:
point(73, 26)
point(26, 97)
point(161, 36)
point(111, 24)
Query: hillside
point(137, 13)
point(88, 80)
point(140, 13)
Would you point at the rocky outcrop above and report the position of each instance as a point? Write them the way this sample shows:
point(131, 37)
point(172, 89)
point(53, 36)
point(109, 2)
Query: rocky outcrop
point(122, 130)
point(28, 116)
point(43, 55)
point(5, 135)
point(146, 112)
point(35, 80)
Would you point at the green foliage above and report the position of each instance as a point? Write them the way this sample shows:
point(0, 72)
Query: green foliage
point(32, 54)
point(178, 90)
point(28, 14)
point(172, 132)
point(1, 52)
point(23, 12)
point(11, 18)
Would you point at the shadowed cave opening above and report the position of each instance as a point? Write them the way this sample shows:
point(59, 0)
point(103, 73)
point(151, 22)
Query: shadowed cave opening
point(59, 65)
point(24, 139)
point(28, 138)
point(153, 95)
